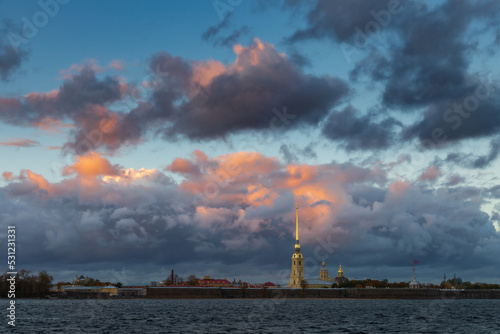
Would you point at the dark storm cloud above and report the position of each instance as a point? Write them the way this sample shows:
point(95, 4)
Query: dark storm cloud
point(69, 101)
point(291, 153)
point(334, 19)
point(494, 191)
point(421, 54)
point(233, 38)
point(359, 132)
point(261, 90)
point(213, 33)
point(469, 160)
point(144, 222)
point(214, 30)
point(429, 59)
point(83, 100)
point(298, 58)
point(474, 115)
point(10, 57)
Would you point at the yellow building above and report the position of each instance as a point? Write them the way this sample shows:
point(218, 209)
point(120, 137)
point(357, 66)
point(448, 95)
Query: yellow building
point(297, 274)
point(323, 272)
point(113, 290)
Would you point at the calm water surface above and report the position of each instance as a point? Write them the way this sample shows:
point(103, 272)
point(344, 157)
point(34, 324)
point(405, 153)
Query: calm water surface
point(256, 316)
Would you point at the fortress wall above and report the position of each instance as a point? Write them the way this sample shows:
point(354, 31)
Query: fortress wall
point(416, 294)
point(87, 294)
point(182, 293)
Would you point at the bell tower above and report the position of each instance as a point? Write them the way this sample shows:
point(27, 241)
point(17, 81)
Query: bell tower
point(323, 272)
point(297, 274)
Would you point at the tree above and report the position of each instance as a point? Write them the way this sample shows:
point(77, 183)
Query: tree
point(168, 281)
point(44, 282)
point(28, 286)
point(193, 280)
point(119, 285)
point(304, 284)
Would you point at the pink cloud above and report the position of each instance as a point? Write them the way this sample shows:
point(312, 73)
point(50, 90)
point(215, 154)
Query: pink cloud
point(91, 165)
point(398, 187)
point(430, 174)
point(183, 166)
point(50, 148)
point(67, 73)
point(51, 124)
point(20, 143)
point(454, 179)
point(7, 176)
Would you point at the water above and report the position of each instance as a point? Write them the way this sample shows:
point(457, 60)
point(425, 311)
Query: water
point(256, 316)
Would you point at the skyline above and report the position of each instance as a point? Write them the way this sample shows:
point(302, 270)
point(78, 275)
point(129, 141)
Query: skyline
point(180, 135)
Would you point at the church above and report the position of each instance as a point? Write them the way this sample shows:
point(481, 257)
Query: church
point(297, 274)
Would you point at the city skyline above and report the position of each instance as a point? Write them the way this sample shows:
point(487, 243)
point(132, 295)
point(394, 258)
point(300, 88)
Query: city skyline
point(181, 135)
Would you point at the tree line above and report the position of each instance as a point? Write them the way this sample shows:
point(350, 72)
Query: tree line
point(27, 285)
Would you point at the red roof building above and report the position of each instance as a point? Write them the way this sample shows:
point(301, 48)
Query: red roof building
point(268, 285)
point(214, 282)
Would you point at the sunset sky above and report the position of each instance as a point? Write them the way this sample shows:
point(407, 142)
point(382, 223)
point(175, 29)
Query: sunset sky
point(136, 138)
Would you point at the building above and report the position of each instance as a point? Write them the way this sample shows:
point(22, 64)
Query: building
point(323, 272)
point(297, 274)
point(268, 285)
point(82, 280)
point(340, 276)
point(112, 290)
point(132, 291)
point(214, 282)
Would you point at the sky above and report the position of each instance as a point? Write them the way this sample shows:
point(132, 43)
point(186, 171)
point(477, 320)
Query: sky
point(140, 138)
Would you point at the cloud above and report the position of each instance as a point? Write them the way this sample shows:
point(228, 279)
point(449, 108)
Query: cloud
point(92, 164)
point(291, 152)
point(239, 210)
point(51, 124)
point(334, 20)
point(83, 100)
point(454, 179)
point(7, 176)
point(183, 166)
point(193, 99)
point(360, 133)
point(213, 31)
point(93, 64)
point(11, 57)
point(232, 38)
point(485, 160)
point(469, 160)
point(431, 174)
point(419, 67)
point(298, 58)
point(208, 100)
point(23, 142)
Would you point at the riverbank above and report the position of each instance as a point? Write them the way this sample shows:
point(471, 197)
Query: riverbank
point(354, 293)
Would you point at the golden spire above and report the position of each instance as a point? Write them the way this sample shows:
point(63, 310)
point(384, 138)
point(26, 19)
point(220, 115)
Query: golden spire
point(297, 221)
point(297, 245)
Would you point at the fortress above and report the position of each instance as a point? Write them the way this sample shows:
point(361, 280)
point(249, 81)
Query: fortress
point(297, 279)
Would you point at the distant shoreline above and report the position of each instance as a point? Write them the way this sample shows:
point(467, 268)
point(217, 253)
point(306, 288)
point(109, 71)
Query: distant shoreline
point(319, 293)
point(287, 293)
